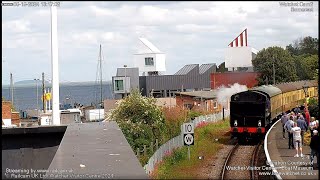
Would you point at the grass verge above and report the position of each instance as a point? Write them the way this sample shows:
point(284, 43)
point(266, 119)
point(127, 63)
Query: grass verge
point(209, 138)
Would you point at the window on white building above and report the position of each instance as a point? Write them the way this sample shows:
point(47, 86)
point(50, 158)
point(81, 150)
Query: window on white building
point(149, 61)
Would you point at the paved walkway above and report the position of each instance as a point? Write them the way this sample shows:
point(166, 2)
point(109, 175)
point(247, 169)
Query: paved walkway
point(95, 151)
point(288, 166)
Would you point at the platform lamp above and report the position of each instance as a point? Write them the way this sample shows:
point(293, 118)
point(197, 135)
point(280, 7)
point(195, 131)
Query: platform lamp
point(305, 90)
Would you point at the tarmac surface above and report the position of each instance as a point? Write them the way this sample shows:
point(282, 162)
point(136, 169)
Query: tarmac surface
point(288, 166)
point(95, 150)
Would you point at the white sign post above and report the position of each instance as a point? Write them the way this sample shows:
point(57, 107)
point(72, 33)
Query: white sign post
point(188, 135)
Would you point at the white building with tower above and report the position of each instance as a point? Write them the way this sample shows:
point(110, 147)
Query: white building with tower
point(239, 53)
point(149, 59)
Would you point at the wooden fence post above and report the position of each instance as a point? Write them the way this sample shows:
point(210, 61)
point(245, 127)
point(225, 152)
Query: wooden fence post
point(144, 150)
point(138, 152)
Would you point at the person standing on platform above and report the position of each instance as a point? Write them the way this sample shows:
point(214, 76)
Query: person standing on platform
point(296, 131)
point(314, 143)
point(297, 110)
point(303, 126)
point(288, 126)
point(312, 125)
point(307, 116)
point(284, 119)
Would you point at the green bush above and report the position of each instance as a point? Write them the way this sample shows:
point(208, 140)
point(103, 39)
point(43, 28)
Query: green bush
point(176, 156)
point(313, 108)
point(140, 120)
point(192, 114)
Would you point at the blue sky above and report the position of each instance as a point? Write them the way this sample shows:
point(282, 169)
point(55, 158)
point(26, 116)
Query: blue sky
point(188, 32)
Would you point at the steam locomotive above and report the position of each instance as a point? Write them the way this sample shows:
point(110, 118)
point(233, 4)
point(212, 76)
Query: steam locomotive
point(253, 111)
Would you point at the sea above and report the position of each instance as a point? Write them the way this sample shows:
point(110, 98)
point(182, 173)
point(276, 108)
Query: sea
point(25, 97)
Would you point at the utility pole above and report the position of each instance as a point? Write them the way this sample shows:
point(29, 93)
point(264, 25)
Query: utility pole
point(43, 98)
point(11, 88)
point(274, 73)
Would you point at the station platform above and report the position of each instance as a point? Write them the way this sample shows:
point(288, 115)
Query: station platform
point(286, 165)
point(96, 150)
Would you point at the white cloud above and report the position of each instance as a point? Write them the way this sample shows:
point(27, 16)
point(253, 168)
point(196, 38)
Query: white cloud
point(199, 28)
point(153, 14)
point(17, 26)
point(100, 11)
point(188, 32)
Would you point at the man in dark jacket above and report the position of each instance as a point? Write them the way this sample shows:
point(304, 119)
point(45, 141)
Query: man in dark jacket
point(314, 143)
point(303, 126)
point(297, 110)
point(284, 119)
point(288, 126)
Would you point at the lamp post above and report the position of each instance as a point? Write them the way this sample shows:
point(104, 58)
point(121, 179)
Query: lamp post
point(305, 90)
point(125, 80)
point(37, 97)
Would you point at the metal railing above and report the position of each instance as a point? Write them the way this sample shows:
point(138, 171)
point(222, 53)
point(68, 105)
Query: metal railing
point(176, 142)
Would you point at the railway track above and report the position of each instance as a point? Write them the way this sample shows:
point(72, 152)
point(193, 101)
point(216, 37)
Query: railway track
point(254, 162)
point(241, 162)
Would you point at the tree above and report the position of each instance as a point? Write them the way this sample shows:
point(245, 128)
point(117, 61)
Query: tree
point(309, 45)
point(140, 119)
point(306, 66)
point(284, 66)
point(306, 45)
point(310, 64)
point(313, 108)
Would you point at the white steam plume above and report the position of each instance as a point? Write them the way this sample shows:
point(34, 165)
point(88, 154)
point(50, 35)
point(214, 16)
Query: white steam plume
point(224, 94)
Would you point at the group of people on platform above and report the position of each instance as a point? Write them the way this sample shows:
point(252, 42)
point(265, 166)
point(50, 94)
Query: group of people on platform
point(296, 124)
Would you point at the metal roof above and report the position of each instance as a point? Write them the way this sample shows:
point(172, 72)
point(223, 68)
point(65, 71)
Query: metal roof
point(186, 69)
point(291, 86)
point(200, 94)
point(268, 89)
point(205, 67)
point(149, 45)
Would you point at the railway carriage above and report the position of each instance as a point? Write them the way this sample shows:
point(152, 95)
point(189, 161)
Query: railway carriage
point(253, 111)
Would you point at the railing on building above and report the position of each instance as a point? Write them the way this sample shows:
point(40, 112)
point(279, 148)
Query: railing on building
point(177, 141)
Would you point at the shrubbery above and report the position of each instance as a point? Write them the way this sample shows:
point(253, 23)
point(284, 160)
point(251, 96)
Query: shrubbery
point(174, 118)
point(313, 108)
point(140, 120)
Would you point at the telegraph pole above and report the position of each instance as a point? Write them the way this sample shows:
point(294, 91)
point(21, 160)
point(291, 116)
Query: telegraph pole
point(43, 98)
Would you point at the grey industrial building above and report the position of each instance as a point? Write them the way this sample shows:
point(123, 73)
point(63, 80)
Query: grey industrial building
point(191, 77)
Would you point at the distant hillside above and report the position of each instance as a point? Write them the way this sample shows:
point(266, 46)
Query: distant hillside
point(29, 83)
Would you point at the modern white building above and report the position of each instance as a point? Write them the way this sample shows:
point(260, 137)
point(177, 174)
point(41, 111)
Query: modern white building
point(239, 53)
point(149, 59)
